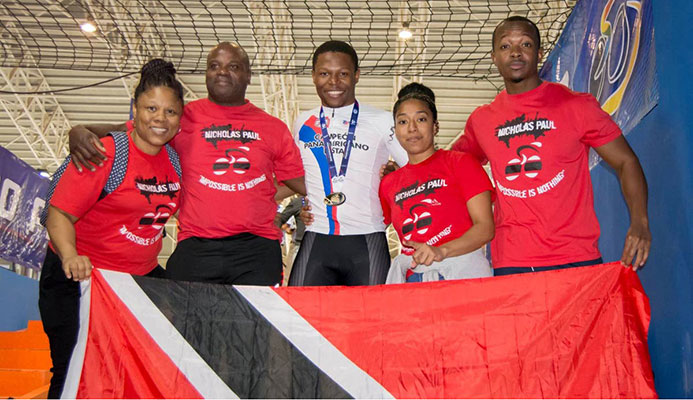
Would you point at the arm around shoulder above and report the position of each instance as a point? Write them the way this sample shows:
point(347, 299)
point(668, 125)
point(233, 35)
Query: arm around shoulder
point(467, 143)
point(86, 148)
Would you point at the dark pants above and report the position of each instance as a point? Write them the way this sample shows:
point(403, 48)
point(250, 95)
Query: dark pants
point(243, 259)
point(522, 270)
point(350, 260)
point(59, 308)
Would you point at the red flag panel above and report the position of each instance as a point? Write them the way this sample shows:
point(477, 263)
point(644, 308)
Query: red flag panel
point(121, 359)
point(572, 333)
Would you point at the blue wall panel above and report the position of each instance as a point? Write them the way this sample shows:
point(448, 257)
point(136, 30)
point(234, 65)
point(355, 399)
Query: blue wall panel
point(664, 143)
point(18, 301)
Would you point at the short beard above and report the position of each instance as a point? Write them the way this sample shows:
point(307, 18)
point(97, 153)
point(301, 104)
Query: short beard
point(228, 98)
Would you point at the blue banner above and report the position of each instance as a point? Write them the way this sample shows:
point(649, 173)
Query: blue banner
point(23, 239)
point(607, 49)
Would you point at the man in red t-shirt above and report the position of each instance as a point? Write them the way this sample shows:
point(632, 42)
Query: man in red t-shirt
point(537, 135)
point(230, 153)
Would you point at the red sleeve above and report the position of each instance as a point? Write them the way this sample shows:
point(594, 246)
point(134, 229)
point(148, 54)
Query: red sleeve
point(77, 192)
point(387, 215)
point(185, 120)
point(287, 160)
point(467, 143)
point(473, 177)
point(598, 127)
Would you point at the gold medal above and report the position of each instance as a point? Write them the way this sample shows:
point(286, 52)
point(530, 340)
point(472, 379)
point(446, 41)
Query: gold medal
point(335, 199)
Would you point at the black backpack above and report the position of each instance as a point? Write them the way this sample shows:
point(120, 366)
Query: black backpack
point(117, 174)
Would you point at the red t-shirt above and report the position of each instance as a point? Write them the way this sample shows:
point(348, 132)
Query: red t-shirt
point(538, 144)
point(122, 231)
point(427, 202)
point(229, 157)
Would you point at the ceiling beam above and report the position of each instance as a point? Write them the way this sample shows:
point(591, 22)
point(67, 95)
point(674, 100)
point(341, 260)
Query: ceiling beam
point(416, 16)
point(272, 25)
point(39, 118)
point(121, 27)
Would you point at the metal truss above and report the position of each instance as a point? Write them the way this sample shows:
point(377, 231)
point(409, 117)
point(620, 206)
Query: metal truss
point(120, 29)
point(39, 118)
point(272, 27)
point(415, 16)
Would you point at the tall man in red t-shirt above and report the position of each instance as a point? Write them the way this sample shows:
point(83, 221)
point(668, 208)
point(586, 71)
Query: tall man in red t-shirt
point(230, 153)
point(536, 136)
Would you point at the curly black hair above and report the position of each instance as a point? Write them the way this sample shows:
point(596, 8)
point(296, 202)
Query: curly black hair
point(158, 72)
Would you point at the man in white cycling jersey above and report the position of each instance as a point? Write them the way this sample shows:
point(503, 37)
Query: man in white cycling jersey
point(343, 143)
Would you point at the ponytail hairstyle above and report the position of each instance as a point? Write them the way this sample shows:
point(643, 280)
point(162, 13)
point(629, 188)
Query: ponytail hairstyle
point(419, 92)
point(158, 72)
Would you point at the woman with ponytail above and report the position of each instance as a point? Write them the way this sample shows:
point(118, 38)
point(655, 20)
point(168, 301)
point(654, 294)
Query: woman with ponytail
point(439, 203)
point(118, 228)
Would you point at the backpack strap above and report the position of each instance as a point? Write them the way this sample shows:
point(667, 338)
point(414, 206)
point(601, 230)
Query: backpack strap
point(51, 188)
point(115, 177)
point(175, 160)
point(120, 163)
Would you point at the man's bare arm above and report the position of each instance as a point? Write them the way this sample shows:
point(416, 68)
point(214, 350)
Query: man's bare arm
point(283, 192)
point(621, 158)
point(298, 185)
point(86, 148)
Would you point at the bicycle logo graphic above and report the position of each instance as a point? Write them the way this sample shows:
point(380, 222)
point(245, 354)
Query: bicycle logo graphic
point(615, 53)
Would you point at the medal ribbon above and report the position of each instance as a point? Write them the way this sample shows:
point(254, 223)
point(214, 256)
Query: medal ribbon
point(327, 145)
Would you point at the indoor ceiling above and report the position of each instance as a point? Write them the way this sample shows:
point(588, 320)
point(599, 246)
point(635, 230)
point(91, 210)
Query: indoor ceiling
point(54, 76)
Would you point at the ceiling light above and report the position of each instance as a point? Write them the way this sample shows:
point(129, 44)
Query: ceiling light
point(405, 33)
point(88, 27)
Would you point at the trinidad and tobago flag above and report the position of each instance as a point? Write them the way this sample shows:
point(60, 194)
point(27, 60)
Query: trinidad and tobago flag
point(573, 333)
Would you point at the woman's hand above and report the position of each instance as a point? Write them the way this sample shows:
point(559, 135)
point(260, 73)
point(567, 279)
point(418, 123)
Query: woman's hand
point(61, 229)
point(425, 254)
point(78, 268)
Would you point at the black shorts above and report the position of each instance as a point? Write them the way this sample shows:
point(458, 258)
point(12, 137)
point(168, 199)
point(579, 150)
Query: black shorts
point(243, 259)
point(351, 260)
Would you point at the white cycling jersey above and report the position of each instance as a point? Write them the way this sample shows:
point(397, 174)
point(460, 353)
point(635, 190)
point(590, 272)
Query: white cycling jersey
point(374, 142)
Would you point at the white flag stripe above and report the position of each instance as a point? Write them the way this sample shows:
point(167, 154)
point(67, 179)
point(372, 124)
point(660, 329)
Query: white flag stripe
point(198, 372)
point(313, 344)
point(74, 371)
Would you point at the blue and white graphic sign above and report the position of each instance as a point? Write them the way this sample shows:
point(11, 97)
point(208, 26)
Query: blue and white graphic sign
point(607, 49)
point(23, 239)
